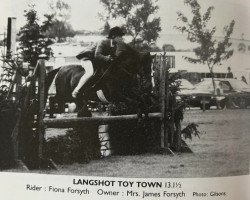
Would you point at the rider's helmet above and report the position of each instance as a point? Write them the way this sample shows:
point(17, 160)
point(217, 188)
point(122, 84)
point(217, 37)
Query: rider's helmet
point(115, 31)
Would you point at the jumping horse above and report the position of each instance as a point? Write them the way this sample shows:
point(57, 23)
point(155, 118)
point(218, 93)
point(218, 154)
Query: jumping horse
point(120, 82)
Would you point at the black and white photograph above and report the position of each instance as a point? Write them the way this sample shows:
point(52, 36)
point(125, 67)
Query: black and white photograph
point(125, 88)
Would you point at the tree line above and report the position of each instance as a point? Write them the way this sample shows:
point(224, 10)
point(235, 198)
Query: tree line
point(138, 19)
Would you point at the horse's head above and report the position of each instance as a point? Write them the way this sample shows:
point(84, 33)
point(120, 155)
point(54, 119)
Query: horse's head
point(145, 64)
point(132, 72)
point(132, 62)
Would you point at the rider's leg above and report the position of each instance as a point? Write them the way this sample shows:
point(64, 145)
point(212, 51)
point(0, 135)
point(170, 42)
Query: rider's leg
point(89, 71)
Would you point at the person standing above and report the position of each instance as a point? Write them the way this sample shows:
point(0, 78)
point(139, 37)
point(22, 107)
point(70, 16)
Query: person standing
point(243, 79)
point(219, 94)
point(229, 73)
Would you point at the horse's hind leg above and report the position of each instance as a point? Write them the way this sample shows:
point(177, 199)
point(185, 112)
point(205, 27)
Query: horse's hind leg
point(52, 101)
point(61, 105)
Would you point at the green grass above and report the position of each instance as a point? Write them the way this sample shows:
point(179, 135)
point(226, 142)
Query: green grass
point(222, 151)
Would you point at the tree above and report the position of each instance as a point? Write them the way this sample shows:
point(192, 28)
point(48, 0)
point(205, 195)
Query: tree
point(60, 28)
point(33, 42)
point(209, 51)
point(138, 17)
point(60, 10)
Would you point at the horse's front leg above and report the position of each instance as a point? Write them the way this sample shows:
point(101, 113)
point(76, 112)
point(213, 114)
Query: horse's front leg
point(82, 108)
point(141, 102)
point(132, 102)
point(60, 106)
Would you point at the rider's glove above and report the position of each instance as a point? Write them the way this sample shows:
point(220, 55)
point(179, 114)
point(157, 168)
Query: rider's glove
point(110, 58)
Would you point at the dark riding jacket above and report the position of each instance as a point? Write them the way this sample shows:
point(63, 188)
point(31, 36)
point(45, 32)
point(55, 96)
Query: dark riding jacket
point(104, 50)
point(101, 54)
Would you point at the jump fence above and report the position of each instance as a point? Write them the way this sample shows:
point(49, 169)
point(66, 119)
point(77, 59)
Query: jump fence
point(39, 76)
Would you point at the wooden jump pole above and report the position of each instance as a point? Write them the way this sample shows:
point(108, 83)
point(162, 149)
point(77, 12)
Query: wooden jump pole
point(73, 122)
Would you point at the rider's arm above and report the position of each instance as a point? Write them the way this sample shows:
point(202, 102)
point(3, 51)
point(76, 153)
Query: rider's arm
point(99, 52)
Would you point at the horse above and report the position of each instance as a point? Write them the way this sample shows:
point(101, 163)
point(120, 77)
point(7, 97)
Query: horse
point(119, 82)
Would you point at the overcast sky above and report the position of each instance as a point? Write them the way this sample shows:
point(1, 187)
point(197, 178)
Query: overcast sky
point(84, 13)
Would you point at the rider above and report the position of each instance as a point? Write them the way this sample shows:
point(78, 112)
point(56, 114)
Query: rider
point(103, 54)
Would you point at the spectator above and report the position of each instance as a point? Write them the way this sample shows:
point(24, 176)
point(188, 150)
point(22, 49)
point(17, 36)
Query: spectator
point(243, 79)
point(219, 95)
point(229, 73)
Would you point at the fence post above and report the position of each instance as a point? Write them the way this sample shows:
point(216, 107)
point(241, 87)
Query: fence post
point(164, 101)
point(15, 132)
point(11, 37)
point(41, 99)
point(42, 161)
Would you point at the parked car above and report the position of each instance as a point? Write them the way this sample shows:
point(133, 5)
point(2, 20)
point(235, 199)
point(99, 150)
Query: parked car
point(192, 95)
point(186, 88)
point(235, 90)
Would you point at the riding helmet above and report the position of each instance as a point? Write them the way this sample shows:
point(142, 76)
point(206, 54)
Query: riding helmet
point(115, 31)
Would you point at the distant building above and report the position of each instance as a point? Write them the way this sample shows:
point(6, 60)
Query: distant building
point(65, 53)
point(239, 63)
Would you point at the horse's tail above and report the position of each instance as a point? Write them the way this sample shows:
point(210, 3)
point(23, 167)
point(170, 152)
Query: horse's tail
point(48, 81)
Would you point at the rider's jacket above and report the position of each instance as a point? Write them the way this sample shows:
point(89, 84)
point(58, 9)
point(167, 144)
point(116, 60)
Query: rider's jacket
point(105, 50)
point(102, 52)
point(101, 55)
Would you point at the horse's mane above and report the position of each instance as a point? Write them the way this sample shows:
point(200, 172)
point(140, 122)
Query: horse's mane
point(127, 55)
point(126, 51)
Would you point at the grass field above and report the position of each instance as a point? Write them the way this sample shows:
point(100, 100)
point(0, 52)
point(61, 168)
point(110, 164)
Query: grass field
point(223, 150)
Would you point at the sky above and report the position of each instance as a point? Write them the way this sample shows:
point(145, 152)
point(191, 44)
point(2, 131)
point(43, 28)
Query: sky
point(84, 14)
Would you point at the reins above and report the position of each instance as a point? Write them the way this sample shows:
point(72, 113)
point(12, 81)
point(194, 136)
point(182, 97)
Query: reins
point(101, 78)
